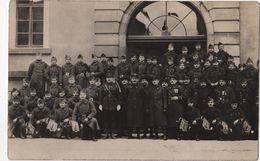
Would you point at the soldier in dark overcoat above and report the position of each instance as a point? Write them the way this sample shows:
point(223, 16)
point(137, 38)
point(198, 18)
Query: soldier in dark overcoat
point(54, 87)
point(31, 103)
point(169, 68)
point(157, 107)
point(71, 87)
point(222, 55)
point(175, 107)
point(25, 89)
point(54, 70)
point(67, 71)
point(141, 66)
point(36, 75)
point(84, 113)
point(134, 101)
point(95, 68)
point(81, 69)
point(169, 53)
point(109, 104)
point(16, 119)
point(133, 64)
point(122, 69)
point(39, 119)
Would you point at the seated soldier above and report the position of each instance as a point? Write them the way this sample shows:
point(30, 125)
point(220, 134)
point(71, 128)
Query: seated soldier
point(235, 118)
point(74, 99)
point(62, 95)
point(16, 119)
point(39, 119)
point(84, 113)
point(69, 89)
point(62, 116)
point(193, 116)
point(31, 102)
point(15, 94)
point(48, 100)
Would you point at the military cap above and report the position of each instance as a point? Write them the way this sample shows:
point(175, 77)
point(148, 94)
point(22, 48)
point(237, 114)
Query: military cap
point(32, 89)
point(80, 56)
point(84, 91)
point(54, 78)
point(249, 60)
point(190, 100)
point(184, 48)
point(109, 75)
point(198, 43)
point(170, 58)
point(154, 58)
point(71, 77)
point(63, 101)
point(62, 90)
point(156, 78)
point(220, 43)
point(149, 57)
point(103, 55)
point(172, 76)
point(53, 58)
point(92, 78)
point(211, 46)
point(122, 57)
point(67, 57)
point(93, 55)
point(141, 54)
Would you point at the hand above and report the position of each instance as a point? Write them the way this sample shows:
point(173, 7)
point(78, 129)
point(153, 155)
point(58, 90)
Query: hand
point(66, 120)
point(92, 73)
point(236, 121)
point(29, 115)
point(91, 99)
point(214, 121)
point(67, 74)
point(174, 98)
point(194, 122)
point(37, 122)
point(118, 107)
point(81, 74)
point(15, 120)
point(100, 107)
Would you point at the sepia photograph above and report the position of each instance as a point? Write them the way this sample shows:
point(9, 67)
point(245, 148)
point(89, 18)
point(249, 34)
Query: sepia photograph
point(133, 80)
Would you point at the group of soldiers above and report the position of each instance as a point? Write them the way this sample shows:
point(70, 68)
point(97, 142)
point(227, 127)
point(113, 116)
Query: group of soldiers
point(187, 95)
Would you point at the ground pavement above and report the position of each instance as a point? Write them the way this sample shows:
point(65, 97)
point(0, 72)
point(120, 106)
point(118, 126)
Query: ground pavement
point(131, 149)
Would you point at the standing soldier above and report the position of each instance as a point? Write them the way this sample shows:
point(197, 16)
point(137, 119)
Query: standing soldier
point(211, 56)
point(157, 107)
point(80, 70)
point(84, 113)
point(170, 53)
point(31, 102)
point(146, 120)
point(201, 53)
point(53, 70)
point(71, 87)
point(184, 54)
point(62, 95)
point(111, 69)
point(67, 71)
point(95, 68)
point(141, 66)
point(196, 73)
point(109, 104)
point(174, 108)
point(156, 69)
point(16, 119)
point(133, 64)
point(36, 75)
point(39, 119)
point(213, 73)
point(48, 100)
point(149, 67)
point(134, 101)
point(122, 69)
point(204, 91)
point(232, 75)
point(74, 99)
point(104, 63)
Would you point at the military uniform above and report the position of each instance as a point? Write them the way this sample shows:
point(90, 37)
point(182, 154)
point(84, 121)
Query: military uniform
point(71, 88)
point(39, 121)
point(68, 70)
point(73, 101)
point(96, 69)
point(24, 92)
point(122, 70)
point(80, 70)
point(214, 73)
point(54, 90)
point(133, 67)
point(83, 110)
point(36, 76)
point(168, 70)
point(49, 102)
point(222, 57)
point(156, 71)
point(31, 104)
point(17, 128)
point(167, 55)
point(141, 69)
point(53, 71)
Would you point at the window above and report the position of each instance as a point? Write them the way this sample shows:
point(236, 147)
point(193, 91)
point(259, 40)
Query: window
point(29, 25)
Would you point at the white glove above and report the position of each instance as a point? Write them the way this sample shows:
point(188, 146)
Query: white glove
point(214, 121)
point(66, 120)
point(37, 122)
point(100, 107)
point(86, 119)
point(118, 107)
point(14, 120)
point(194, 122)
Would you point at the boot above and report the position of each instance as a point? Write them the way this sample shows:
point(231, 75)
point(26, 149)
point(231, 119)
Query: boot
point(164, 133)
point(138, 134)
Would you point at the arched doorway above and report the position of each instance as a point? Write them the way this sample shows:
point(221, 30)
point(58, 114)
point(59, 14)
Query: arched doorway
point(148, 26)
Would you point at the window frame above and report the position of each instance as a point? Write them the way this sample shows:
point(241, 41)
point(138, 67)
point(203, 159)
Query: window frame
point(30, 20)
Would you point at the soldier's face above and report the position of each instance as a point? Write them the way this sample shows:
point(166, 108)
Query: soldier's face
point(80, 60)
point(190, 104)
point(149, 61)
point(123, 60)
point(222, 82)
point(124, 82)
point(40, 105)
point(62, 94)
point(186, 81)
point(92, 81)
point(215, 63)
point(231, 67)
point(95, 58)
point(53, 81)
point(155, 82)
point(184, 51)
point(75, 94)
point(221, 47)
point(207, 64)
point(196, 66)
point(173, 81)
point(110, 63)
point(164, 84)
point(67, 60)
point(133, 58)
point(62, 104)
point(15, 93)
point(109, 80)
point(134, 80)
point(25, 84)
point(154, 61)
point(244, 84)
point(211, 49)
point(82, 95)
point(103, 59)
point(203, 84)
point(182, 66)
point(98, 83)
point(170, 62)
point(195, 57)
point(210, 58)
point(234, 105)
point(198, 47)
point(33, 93)
point(53, 62)
point(71, 80)
point(170, 47)
point(16, 103)
point(141, 58)
point(182, 60)
point(47, 95)
point(211, 103)
point(144, 81)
